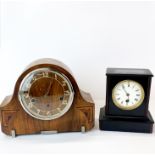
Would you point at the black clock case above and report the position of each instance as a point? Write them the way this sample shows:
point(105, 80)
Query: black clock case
point(114, 119)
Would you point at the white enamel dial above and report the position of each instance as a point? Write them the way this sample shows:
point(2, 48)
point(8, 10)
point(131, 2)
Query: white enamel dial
point(128, 95)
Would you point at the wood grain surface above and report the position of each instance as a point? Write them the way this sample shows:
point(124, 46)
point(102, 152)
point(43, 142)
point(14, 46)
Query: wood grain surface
point(81, 113)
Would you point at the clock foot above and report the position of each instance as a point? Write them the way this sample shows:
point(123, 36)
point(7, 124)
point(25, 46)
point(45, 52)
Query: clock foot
point(13, 133)
point(83, 129)
point(126, 125)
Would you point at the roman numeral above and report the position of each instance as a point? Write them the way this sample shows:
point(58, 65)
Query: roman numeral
point(59, 110)
point(48, 112)
point(38, 111)
point(33, 100)
point(26, 95)
point(30, 105)
point(64, 102)
point(67, 92)
point(117, 94)
point(45, 74)
point(136, 99)
point(63, 83)
point(55, 76)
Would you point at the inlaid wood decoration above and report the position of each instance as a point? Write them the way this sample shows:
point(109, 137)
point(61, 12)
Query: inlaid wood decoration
point(46, 99)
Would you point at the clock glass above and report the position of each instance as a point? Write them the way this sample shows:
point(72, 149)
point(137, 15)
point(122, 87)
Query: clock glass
point(46, 94)
point(128, 95)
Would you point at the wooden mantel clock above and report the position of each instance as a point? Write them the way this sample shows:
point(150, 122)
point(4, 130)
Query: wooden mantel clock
point(127, 100)
point(46, 99)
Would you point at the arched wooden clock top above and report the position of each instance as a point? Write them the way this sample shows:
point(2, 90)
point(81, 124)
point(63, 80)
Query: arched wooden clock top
point(47, 61)
point(47, 94)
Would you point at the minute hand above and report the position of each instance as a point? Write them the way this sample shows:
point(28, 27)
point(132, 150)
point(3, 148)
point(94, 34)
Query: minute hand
point(48, 90)
point(125, 90)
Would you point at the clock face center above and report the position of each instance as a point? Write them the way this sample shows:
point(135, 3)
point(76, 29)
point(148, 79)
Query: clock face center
point(128, 95)
point(46, 94)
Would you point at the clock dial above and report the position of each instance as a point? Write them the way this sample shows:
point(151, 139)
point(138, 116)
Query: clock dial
point(128, 95)
point(46, 94)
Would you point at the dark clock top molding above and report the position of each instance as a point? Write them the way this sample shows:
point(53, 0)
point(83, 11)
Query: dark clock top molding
point(128, 71)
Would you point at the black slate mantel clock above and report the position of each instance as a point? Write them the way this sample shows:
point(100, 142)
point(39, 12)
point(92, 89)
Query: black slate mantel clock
point(127, 100)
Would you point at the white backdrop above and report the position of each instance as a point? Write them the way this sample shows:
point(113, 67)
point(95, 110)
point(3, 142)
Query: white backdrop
point(87, 36)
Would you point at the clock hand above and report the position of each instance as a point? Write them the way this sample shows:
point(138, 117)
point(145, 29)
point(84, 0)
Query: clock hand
point(127, 94)
point(127, 101)
point(48, 90)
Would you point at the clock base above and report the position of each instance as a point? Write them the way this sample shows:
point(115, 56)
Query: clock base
point(126, 125)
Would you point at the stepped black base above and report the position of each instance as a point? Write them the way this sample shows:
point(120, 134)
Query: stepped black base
point(126, 125)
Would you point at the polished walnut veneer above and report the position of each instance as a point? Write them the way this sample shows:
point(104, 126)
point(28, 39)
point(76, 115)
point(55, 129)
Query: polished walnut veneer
point(80, 116)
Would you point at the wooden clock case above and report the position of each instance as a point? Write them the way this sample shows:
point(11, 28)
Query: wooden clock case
point(136, 120)
point(80, 116)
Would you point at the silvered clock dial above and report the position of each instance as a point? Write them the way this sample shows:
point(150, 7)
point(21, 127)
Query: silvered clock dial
point(46, 94)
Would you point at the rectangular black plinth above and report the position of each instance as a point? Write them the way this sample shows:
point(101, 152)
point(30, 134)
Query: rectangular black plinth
point(126, 125)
